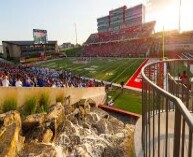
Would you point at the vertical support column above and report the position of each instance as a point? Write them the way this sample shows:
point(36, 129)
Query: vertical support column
point(177, 133)
point(166, 142)
point(190, 144)
point(143, 116)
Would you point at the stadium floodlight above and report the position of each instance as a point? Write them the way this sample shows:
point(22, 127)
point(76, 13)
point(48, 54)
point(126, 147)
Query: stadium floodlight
point(180, 16)
point(75, 32)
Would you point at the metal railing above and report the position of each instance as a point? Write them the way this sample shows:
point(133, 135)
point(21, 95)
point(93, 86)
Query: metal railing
point(167, 121)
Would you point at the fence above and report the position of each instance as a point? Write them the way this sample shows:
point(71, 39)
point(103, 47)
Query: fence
point(167, 122)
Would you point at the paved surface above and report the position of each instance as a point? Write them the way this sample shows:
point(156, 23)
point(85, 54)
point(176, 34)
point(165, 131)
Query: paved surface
point(170, 146)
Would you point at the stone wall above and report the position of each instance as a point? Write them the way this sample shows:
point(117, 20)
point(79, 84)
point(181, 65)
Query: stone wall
point(21, 94)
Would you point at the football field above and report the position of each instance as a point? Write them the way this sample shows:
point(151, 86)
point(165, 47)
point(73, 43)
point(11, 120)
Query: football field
point(108, 69)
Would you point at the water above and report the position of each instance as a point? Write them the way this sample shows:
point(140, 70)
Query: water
point(79, 141)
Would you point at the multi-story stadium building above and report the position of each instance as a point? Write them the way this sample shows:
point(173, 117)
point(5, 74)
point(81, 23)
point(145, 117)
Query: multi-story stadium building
point(25, 49)
point(122, 33)
point(121, 18)
point(1, 49)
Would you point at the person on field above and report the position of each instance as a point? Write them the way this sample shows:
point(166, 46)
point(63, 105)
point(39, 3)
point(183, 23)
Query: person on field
point(122, 85)
point(111, 103)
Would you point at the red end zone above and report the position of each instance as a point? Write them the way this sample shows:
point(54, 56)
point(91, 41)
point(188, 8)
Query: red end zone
point(136, 80)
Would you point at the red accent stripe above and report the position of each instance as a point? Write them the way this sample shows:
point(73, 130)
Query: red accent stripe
point(119, 111)
point(131, 82)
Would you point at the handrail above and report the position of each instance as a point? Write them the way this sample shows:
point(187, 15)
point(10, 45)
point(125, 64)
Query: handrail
point(160, 109)
point(178, 101)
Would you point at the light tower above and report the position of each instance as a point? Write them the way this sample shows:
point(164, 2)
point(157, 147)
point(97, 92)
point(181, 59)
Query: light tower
point(75, 32)
point(180, 16)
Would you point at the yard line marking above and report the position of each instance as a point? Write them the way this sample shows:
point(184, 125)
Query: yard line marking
point(124, 70)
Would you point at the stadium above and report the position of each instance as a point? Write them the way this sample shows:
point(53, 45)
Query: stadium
point(127, 91)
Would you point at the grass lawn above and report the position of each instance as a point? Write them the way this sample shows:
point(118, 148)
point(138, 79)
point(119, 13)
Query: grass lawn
point(128, 100)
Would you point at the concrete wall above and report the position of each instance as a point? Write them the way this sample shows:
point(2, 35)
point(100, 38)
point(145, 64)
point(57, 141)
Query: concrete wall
point(98, 94)
point(1, 49)
point(14, 50)
point(4, 49)
point(56, 48)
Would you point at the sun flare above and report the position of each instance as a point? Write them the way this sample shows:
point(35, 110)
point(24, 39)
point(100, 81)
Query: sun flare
point(169, 17)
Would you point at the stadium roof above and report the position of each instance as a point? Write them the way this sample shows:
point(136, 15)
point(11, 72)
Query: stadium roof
point(26, 43)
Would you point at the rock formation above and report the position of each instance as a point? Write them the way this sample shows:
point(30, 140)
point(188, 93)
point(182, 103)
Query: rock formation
point(79, 129)
point(11, 140)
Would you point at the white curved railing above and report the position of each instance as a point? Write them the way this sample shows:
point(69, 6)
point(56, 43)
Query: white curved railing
point(167, 123)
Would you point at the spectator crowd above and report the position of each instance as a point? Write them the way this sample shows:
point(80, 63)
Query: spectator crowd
point(134, 48)
point(130, 42)
point(20, 76)
point(134, 32)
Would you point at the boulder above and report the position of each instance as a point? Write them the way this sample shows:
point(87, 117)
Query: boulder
point(67, 106)
point(43, 127)
point(91, 102)
point(56, 112)
point(33, 121)
point(55, 118)
point(38, 149)
point(85, 106)
point(11, 141)
point(82, 109)
point(10, 117)
point(47, 136)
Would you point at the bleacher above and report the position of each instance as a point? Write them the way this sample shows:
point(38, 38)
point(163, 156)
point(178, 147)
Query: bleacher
point(180, 38)
point(123, 34)
point(127, 48)
point(130, 42)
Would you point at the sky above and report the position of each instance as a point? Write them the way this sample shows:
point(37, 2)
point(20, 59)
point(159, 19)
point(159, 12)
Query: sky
point(18, 18)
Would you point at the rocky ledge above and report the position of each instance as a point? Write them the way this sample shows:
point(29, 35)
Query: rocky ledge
point(80, 129)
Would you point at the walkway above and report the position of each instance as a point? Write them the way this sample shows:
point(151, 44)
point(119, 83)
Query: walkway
point(170, 145)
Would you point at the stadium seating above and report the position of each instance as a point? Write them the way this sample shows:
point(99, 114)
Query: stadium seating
point(123, 34)
point(127, 48)
point(180, 38)
point(128, 42)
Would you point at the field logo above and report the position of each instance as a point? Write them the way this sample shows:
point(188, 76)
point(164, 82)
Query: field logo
point(136, 80)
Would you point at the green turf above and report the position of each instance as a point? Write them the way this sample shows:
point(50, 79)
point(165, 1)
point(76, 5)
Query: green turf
point(107, 69)
point(128, 100)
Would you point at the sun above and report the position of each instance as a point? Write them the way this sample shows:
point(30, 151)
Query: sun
point(186, 15)
point(168, 18)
